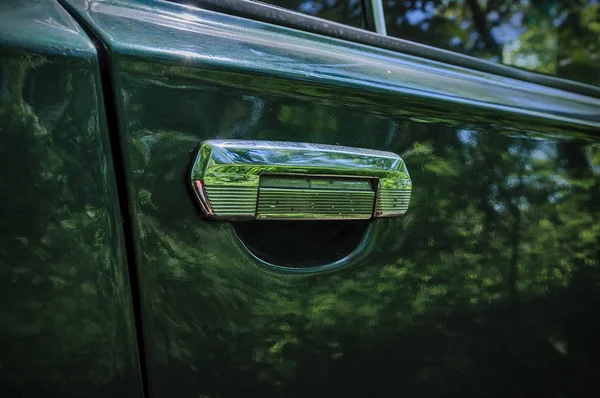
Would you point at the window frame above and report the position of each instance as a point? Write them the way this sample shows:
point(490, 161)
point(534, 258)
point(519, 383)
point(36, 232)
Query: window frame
point(283, 17)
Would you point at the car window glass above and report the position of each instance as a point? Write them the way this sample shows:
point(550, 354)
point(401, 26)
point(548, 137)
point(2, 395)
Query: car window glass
point(556, 37)
point(347, 12)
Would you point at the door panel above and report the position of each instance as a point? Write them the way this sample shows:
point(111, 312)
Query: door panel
point(66, 322)
point(488, 285)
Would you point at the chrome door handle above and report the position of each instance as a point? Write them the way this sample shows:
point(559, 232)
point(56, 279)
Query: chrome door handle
point(238, 179)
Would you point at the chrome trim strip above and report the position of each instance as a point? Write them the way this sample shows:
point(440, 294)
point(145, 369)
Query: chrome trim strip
point(378, 17)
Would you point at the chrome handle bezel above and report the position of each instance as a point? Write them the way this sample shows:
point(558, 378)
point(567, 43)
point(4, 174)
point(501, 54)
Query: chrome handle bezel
point(226, 178)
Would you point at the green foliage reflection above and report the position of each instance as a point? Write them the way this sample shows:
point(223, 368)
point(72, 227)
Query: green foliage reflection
point(557, 37)
point(489, 285)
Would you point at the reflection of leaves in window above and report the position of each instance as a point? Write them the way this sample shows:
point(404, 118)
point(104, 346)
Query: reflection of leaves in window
point(348, 12)
point(559, 37)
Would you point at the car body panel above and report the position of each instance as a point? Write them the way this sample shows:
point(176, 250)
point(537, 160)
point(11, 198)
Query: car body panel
point(66, 319)
point(218, 47)
point(260, 11)
point(488, 285)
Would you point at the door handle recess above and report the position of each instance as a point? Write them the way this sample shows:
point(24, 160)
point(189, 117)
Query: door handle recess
point(243, 180)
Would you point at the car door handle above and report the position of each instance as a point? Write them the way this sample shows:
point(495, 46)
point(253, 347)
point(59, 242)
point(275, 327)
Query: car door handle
point(241, 180)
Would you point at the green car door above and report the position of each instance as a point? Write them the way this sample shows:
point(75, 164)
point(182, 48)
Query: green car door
point(486, 282)
point(66, 318)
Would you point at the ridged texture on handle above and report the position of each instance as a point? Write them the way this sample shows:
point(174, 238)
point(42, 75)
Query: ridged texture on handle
point(232, 201)
point(307, 203)
point(392, 202)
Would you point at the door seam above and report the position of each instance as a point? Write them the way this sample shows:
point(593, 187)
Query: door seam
point(117, 155)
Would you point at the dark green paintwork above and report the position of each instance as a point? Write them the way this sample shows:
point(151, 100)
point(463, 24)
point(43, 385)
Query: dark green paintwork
point(488, 286)
point(146, 38)
point(66, 322)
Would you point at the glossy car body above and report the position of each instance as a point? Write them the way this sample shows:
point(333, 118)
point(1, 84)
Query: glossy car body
point(113, 284)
